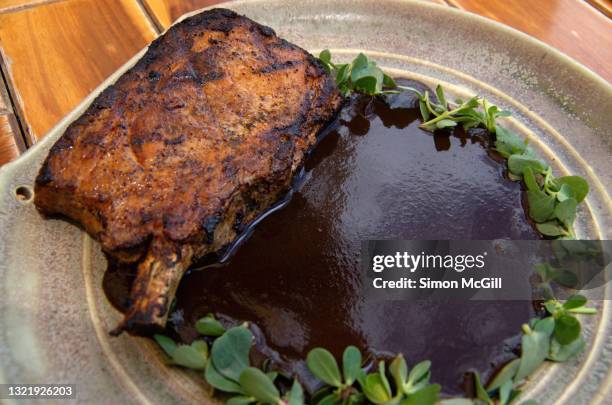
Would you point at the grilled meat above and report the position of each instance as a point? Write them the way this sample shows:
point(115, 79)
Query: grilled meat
point(186, 149)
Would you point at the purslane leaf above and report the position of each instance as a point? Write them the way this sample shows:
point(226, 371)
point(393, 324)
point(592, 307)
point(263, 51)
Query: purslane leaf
point(202, 347)
point(389, 82)
point(383, 377)
point(530, 180)
point(296, 395)
point(541, 205)
point(507, 143)
point(209, 326)
point(562, 353)
point(505, 392)
point(575, 301)
point(424, 110)
point(214, 378)
point(360, 62)
point(328, 400)
point(518, 163)
point(426, 396)
point(441, 97)
point(240, 400)
point(343, 73)
point(565, 211)
point(256, 384)
point(507, 373)
point(567, 329)
point(564, 192)
point(325, 56)
point(534, 349)
point(323, 365)
point(481, 393)
point(551, 228)
point(419, 371)
point(375, 390)
point(189, 356)
point(351, 364)
point(167, 344)
point(446, 124)
point(230, 352)
point(565, 278)
point(367, 84)
point(578, 186)
point(545, 325)
point(399, 370)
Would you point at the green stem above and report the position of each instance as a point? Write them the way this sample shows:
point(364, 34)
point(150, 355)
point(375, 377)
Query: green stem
point(440, 117)
point(429, 106)
point(583, 310)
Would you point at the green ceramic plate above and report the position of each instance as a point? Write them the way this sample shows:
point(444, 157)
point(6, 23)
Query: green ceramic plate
point(54, 317)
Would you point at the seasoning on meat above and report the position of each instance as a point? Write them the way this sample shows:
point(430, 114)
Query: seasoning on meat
point(186, 149)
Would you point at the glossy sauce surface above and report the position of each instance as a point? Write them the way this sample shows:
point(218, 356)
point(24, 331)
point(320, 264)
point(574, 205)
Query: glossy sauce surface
point(375, 176)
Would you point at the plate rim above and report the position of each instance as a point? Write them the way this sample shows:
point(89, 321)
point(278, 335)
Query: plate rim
point(7, 170)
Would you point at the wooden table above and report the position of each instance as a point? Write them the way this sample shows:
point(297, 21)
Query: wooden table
point(55, 52)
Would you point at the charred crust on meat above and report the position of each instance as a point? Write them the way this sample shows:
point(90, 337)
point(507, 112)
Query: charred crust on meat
point(154, 75)
point(239, 225)
point(229, 169)
point(175, 141)
point(45, 176)
point(172, 220)
point(187, 148)
point(210, 224)
point(279, 66)
point(106, 99)
point(145, 216)
point(283, 157)
point(266, 31)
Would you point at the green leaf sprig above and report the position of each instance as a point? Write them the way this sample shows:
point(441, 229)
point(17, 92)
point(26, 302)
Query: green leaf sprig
point(339, 387)
point(353, 386)
point(191, 356)
point(552, 201)
point(227, 365)
point(556, 337)
point(229, 370)
point(361, 75)
point(209, 326)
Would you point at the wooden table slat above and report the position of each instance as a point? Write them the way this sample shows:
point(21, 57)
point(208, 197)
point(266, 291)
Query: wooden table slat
point(11, 138)
point(10, 147)
point(573, 27)
point(59, 52)
point(605, 6)
point(11, 5)
point(166, 11)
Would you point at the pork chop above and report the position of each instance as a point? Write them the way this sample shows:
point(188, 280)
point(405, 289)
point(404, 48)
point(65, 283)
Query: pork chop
point(186, 149)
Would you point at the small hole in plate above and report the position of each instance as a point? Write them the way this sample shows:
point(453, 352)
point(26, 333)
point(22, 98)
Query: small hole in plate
point(24, 193)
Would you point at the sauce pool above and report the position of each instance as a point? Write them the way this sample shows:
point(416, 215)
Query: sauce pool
point(376, 175)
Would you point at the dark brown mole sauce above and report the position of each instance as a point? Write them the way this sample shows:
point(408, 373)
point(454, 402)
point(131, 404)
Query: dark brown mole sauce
point(375, 176)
